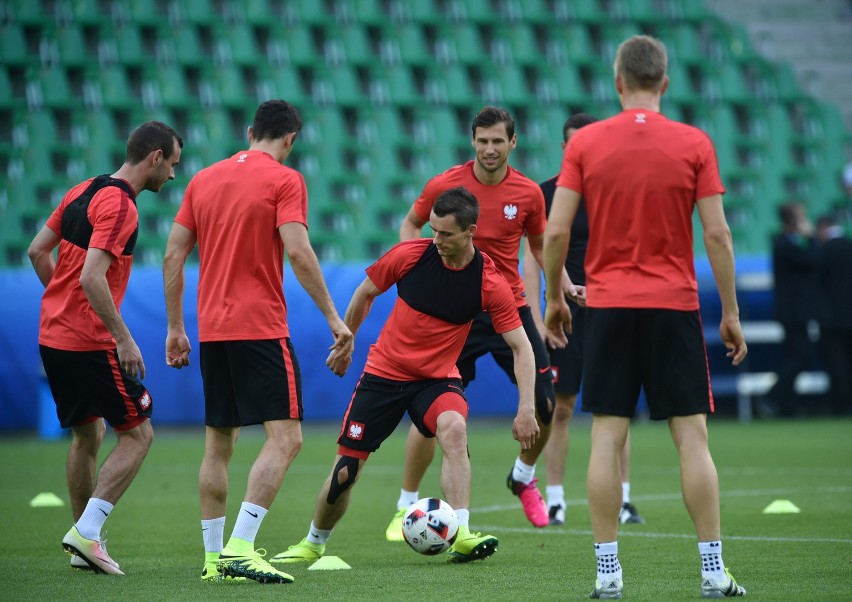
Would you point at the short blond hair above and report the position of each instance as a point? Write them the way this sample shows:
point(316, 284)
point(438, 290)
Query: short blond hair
point(641, 62)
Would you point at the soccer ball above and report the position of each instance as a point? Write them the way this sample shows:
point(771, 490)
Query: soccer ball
point(430, 526)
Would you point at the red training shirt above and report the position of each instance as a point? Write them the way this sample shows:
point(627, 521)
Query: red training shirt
point(234, 208)
point(507, 211)
point(68, 321)
point(640, 175)
point(416, 346)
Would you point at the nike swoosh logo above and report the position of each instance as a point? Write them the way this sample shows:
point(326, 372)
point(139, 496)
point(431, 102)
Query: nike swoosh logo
point(204, 529)
point(105, 513)
point(543, 370)
point(254, 514)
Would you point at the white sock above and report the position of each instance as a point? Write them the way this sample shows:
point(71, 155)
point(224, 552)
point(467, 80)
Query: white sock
point(406, 498)
point(608, 566)
point(93, 518)
point(523, 473)
point(318, 536)
point(464, 517)
point(213, 533)
point(555, 495)
point(712, 566)
point(248, 521)
point(625, 493)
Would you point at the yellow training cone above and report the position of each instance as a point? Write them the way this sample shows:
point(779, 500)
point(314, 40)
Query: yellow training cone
point(329, 563)
point(781, 507)
point(46, 500)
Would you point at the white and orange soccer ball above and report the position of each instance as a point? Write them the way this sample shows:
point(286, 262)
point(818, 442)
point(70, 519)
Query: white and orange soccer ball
point(430, 526)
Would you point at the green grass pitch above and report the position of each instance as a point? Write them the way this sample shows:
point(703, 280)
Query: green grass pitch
point(155, 534)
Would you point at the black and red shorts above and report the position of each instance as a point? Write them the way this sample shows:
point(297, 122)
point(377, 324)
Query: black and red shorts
point(378, 405)
point(567, 363)
point(250, 382)
point(661, 350)
point(87, 385)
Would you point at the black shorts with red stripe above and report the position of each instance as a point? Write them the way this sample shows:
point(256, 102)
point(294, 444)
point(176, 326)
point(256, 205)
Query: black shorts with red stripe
point(379, 404)
point(88, 385)
point(250, 382)
point(661, 350)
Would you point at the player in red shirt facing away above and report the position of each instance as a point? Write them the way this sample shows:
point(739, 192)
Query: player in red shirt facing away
point(92, 363)
point(511, 207)
point(244, 212)
point(641, 176)
point(567, 362)
point(443, 284)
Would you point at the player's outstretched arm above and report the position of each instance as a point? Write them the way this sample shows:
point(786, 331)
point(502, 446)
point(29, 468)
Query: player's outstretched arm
point(357, 311)
point(180, 244)
point(524, 428)
point(411, 227)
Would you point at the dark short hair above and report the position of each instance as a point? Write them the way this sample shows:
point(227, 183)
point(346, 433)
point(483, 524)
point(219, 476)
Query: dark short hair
point(149, 137)
point(459, 202)
point(275, 119)
point(576, 121)
point(641, 61)
point(490, 116)
point(787, 212)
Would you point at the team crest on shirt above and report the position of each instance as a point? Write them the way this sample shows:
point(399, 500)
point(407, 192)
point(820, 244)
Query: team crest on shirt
point(356, 431)
point(145, 401)
point(510, 211)
point(640, 117)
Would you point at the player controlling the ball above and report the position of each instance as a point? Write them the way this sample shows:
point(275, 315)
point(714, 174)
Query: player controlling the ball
point(443, 283)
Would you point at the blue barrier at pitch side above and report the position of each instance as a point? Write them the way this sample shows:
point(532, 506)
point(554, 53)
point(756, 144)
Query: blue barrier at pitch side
point(177, 394)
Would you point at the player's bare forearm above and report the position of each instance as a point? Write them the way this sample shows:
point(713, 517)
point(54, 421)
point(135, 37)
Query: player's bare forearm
point(40, 253)
point(411, 227)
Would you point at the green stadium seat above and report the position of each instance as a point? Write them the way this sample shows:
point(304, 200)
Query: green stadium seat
point(725, 83)
point(589, 11)
point(363, 12)
point(561, 84)
point(138, 12)
point(181, 44)
point(236, 43)
point(380, 127)
point(292, 44)
point(405, 43)
point(281, 81)
point(602, 85)
point(514, 88)
point(225, 86)
point(351, 43)
point(570, 43)
point(32, 12)
point(49, 87)
point(112, 87)
point(536, 12)
point(436, 125)
point(787, 87)
point(427, 12)
point(459, 43)
point(308, 12)
point(254, 12)
point(13, 46)
point(515, 44)
point(680, 89)
point(683, 44)
point(612, 35)
point(123, 44)
point(70, 44)
point(450, 85)
point(394, 85)
point(337, 85)
point(479, 11)
point(199, 12)
point(8, 99)
point(167, 86)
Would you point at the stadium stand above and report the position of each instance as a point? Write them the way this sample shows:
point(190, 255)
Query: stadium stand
point(387, 88)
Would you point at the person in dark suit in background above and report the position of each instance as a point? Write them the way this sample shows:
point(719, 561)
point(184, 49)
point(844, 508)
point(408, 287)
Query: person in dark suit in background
point(833, 278)
point(793, 265)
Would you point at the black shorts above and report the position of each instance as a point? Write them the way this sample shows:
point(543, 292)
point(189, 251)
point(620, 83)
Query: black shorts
point(378, 405)
point(484, 339)
point(567, 363)
point(250, 382)
point(87, 385)
point(660, 349)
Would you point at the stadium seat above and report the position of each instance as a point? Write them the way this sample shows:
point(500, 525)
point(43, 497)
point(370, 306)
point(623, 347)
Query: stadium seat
point(349, 44)
point(427, 12)
point(225, 86)
point(561, 84)
point(70, 45)
point(292, 44)
point(680, 89)
point(49, 87)
point(32, 12)
point(308, 12)
point(236, 43)
point(535, 12)
point(435, 125)
point(13, 46)
point(612, 35)
point(570, 43)
point(181, 45)
point(8, 100)
point(254, 12)
point(450, 85)
point(122, 44)
point(683, 44)
point(589, 11)
point(168, 86)
point(363, 12)
point(337, 85)
point(459, 43)
point(110, 87)
point(394, 85)
point(281, 81)
point(136, 11)
point(514, 44)
point(198, 12)
point(380, 126)
point(405, 43)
